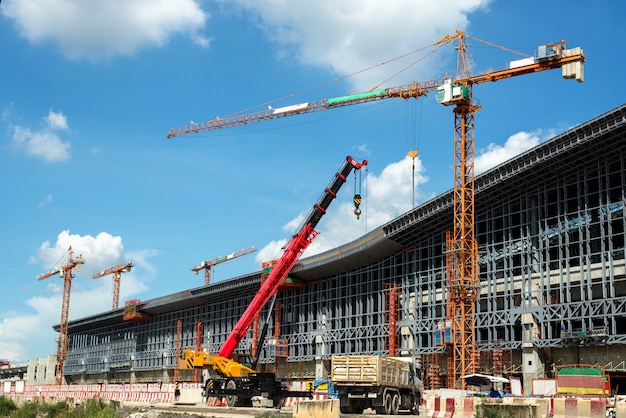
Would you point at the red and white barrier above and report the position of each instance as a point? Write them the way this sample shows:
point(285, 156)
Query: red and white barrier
point(574, 407)
point(464, 408)
point(443, 407)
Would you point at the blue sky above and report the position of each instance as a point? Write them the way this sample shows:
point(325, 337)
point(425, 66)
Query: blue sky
point(89, 90)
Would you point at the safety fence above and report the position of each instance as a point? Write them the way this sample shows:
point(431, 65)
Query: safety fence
point(434, 406)
point(125, 392)
point(466, 407)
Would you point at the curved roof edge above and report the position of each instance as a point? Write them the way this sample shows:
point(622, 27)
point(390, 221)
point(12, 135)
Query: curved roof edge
point(346, 257)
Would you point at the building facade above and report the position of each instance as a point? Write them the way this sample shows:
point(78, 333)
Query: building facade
point(550, 227)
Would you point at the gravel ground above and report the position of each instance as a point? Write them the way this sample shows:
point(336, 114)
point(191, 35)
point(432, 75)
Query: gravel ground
point(194, 411)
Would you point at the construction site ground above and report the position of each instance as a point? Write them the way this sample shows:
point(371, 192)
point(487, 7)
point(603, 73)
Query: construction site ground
point(163, 410)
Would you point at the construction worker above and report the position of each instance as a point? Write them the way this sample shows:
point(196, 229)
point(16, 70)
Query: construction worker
point(176, 392)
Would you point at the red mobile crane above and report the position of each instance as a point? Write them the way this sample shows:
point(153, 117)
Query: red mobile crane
point(238, 382)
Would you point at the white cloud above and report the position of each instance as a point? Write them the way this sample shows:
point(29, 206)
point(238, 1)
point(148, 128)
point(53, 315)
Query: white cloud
point(56, 121)
point(44, 143)
point(22, 334)
point(385, 197)
point(99, 29)
point(45, 201)
point(495, 154)
point(351, 35)
point(270, 252)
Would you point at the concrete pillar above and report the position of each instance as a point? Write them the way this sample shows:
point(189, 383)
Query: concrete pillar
point(321, 372)
point(532, 364)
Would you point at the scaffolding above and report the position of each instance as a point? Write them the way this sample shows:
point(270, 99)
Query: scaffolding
point(550, 230)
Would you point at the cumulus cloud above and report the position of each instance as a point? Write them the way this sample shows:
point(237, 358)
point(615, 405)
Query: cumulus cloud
point(56, 121)
point(388, 195)
point(385, 196)
point(18, 331)
point(45, 142)
point(351, 35)
point(101, 250)
point(495, 154)
point(98, 29)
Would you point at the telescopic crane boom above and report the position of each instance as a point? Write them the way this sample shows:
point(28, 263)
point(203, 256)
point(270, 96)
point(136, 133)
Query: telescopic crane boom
point(292, 252)
point(66, 273)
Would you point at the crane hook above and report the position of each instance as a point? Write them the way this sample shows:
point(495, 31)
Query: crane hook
point(357, 202)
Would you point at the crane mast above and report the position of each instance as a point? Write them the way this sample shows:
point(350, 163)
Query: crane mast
point(462, 288)
point(462, 281)
point(292, 252)
point(66, 273)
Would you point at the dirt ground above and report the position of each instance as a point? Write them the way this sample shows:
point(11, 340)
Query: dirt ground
point(135, 412)
point(193, 411)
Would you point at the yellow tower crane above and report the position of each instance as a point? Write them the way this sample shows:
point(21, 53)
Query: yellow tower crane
point(66, 273)
point(116, 271)
point(462, 288)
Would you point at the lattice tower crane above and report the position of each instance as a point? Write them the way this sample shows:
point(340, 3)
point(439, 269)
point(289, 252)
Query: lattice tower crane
point(208, 265)
point(116, 271)
point(462, 284)
point(66, 273)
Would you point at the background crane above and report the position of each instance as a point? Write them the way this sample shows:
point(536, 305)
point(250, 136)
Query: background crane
point(208, 265)
point(461, 261)
point(117, 278)
point(66, 273)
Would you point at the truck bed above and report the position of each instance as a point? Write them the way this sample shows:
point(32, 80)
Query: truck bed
point(370, 370)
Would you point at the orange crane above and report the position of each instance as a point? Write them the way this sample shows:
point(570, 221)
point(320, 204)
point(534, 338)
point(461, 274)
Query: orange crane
point(117, 278)
point(462, 282)
point(208, 265)
point(66, 273)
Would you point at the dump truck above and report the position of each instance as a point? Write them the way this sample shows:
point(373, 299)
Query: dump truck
point(385, 384)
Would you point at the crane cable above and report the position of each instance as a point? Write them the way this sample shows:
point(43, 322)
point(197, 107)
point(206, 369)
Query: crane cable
point(357, 199)
point(437, 44)
point(415, 132)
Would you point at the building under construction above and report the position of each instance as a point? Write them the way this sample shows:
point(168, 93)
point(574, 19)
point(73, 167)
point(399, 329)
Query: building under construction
point(550, 227)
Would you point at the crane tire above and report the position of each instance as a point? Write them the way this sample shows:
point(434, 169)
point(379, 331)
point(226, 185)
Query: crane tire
point(232, 400)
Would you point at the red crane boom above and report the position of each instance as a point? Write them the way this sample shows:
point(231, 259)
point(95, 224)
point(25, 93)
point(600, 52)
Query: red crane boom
point(293, 250)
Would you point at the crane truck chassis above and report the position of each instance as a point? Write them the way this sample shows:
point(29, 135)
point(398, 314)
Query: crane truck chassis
point(229, 377)
point(385, 384)
point(242, 391)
